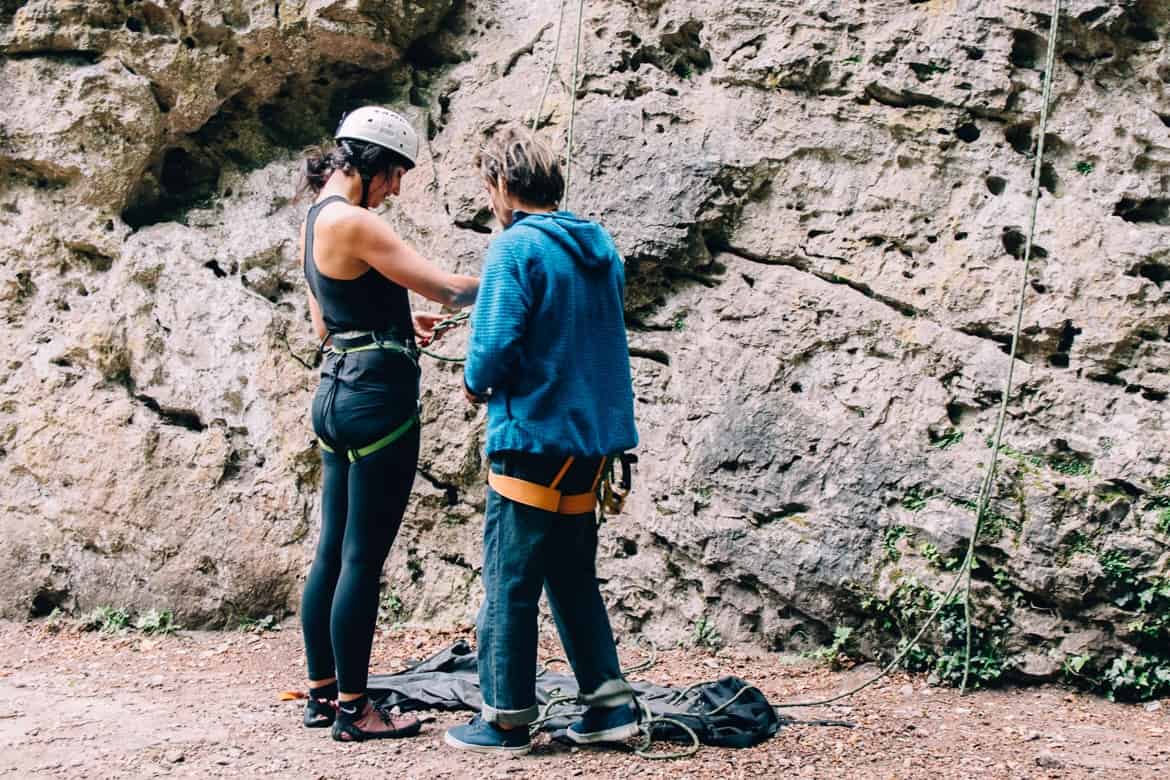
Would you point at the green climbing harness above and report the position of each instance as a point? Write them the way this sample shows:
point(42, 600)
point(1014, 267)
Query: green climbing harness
point(380, 444)
point(365, 341)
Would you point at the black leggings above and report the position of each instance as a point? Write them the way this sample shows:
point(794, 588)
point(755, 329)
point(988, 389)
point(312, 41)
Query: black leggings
point(362, 397)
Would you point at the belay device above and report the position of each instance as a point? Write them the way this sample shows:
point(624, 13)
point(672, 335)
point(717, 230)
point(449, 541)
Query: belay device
point(612, 495)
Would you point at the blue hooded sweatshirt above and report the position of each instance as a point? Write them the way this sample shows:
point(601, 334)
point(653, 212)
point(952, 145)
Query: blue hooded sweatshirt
point(548, 340)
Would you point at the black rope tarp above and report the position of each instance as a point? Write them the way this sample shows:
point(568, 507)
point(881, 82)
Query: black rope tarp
point(727, 712)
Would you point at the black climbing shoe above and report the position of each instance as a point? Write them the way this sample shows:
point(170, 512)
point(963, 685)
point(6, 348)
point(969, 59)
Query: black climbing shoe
point(320, 713)
point(361, 719)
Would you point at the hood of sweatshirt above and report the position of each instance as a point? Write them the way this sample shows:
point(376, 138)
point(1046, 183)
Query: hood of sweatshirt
point(586, 242)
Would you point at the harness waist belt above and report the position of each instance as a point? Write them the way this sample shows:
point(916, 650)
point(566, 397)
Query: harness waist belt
point(547, 497)
point(360, 341)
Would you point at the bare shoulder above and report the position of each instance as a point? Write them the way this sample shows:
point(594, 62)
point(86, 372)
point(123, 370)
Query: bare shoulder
point(342, 218)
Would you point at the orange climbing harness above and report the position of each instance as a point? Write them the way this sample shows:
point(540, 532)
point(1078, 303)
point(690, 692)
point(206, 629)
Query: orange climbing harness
point(610, 494)
point(547, 497)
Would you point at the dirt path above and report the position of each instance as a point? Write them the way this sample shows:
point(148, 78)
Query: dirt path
point(205, 705)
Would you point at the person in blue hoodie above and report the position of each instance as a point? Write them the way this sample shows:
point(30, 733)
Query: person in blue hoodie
point(548, 355)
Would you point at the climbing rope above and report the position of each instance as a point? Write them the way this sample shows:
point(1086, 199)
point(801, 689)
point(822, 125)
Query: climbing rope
point(553, 68)
point(985, 490)
point(573, 105)
point(445, 325)
point(964, 573)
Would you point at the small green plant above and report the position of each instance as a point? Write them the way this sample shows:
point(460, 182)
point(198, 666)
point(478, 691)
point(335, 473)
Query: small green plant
point(1074, 665)
point(1162, 525)
point(1116, 566)
point(914, 499)
point(1079, 544)
point(928, 70)
point(941, 652)
point(680, 322)
point(949, 438)
point(1019, 456)
point(108, 620)
point(993, 524)
point(390, 608)
point(707, 635)
point(1070, 464)
point(157, 622)
point(838, 655)
point(890, 541)
point(1137, 679)
point(260, 625)
point(1084, 167)
point(934, 557)
point(854, 59)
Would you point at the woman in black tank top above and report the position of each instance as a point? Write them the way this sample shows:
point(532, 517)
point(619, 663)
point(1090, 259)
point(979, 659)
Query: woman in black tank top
point(365, 412)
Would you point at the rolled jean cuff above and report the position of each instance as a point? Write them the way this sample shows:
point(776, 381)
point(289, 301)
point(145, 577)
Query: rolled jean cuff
point(611, 693)
point(509, 717)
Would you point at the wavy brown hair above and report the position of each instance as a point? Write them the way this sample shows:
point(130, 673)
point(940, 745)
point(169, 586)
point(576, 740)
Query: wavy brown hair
point(524, 163)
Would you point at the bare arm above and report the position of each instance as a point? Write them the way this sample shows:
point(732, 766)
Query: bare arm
point(376, 243)
point(318, 319)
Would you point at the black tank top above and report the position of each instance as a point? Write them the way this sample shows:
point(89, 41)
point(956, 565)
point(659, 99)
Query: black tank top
point(371, 302)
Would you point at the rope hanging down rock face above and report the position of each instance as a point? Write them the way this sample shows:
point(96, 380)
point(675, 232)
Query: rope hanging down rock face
point(963, 576)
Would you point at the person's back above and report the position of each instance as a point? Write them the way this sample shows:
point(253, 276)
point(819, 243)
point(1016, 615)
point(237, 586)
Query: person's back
point(549, 340)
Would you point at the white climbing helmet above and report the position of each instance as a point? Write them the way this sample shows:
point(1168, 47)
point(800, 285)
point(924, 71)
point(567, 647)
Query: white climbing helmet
point(383, 127)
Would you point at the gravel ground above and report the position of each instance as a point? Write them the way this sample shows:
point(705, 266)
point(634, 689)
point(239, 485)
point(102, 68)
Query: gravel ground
point(206, 704)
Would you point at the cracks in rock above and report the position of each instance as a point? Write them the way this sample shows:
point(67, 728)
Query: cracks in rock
point(656, 355)
point(449, 489)
point(527, 48)
point(808, 253)
point(802, 264)
point(771, 516)
point(982, 331)
point(183, 418)
point(71, 57)
point(1112, 377)
point(681, 52)
point(455, 559)
point(1003, 341)
point(755, 42)
point(213, 266)
point(474, 225)
point(310, 364)
point(170, 415)
point(901, 98)
point(1068, 334)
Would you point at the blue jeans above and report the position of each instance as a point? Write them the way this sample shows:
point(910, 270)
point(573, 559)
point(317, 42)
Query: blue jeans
point(527, 549)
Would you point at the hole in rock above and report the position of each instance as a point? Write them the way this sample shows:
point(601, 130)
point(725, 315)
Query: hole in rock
point(967, 132)
point(1027, 49)
point(1019, 136)
point(996, 185)
point(1146, 210)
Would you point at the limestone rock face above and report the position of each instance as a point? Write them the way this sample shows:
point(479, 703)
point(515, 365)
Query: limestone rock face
point(822, 206)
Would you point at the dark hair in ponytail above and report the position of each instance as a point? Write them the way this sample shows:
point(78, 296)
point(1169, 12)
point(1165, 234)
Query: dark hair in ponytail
point(365, 159)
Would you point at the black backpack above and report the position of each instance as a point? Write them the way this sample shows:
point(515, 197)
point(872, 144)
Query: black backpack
point(748, 720)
